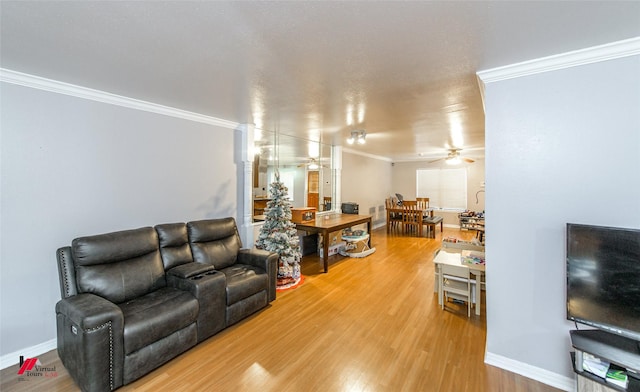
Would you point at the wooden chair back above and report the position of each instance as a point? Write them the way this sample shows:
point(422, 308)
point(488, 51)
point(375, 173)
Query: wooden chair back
point(411, 217)
point(393, 218)
point(388, 203)
point(423, 202)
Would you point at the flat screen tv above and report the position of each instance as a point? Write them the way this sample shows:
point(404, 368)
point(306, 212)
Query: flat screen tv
point(603, 278)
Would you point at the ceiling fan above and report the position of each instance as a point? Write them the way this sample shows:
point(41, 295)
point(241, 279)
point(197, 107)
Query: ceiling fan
point(453, 157)
point(312, 164)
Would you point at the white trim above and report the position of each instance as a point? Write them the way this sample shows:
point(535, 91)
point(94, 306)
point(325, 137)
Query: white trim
point(28, 352)
point(535, 373)
point(364, 154)
point(614, 50)
point(247, 149)
point(37, 82)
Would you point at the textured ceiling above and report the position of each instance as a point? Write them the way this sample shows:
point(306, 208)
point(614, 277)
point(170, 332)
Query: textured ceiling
point(404, 71)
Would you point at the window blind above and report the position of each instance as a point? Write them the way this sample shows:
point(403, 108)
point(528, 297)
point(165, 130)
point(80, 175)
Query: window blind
point(445, 188)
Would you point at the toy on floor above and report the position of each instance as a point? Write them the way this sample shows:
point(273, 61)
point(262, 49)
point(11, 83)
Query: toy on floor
point(357, 244)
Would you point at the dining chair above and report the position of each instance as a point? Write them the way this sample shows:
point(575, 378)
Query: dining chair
point(427, 213)
point(455, 283)
point(394, 219)
point(411, 217)
point(423, 202)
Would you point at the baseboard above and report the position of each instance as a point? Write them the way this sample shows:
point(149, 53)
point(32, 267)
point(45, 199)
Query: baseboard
point(28, 352)
point(535, 373)
point(379, 225)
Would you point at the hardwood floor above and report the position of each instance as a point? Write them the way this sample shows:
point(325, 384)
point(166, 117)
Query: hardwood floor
point(370, 324)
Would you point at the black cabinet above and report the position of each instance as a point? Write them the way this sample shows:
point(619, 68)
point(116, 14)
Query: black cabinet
point(615, 349)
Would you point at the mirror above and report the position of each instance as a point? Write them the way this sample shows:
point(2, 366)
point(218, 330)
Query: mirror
point(304, 166)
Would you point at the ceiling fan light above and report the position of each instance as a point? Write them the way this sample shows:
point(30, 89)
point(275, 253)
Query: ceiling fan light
point(313, 166)
point(452, 160)
point(357, 136)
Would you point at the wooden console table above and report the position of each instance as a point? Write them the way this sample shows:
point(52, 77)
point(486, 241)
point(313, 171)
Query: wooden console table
point(326, 224)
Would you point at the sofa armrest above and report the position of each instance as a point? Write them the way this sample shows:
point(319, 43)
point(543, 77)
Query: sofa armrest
point(190, 270)
point(90, 341)
point(209, 288)
point(266, 260)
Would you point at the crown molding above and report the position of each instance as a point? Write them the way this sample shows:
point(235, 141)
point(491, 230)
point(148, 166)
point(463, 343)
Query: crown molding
point(40, 83)
point(614, 50)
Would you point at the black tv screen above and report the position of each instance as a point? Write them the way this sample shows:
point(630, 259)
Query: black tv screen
point(603, 278)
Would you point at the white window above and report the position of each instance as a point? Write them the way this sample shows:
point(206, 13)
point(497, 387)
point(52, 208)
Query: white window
point(445, 188)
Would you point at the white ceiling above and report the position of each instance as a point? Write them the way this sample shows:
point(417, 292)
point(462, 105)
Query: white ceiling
point(406, 69)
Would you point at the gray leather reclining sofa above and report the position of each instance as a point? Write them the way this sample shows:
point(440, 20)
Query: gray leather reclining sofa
point(132, 300)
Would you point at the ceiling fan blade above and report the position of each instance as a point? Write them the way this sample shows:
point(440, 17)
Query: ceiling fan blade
point(468, 160)
point(436, 160)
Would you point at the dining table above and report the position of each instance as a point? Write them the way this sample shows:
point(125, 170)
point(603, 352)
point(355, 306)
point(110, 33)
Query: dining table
point(398, 211)
point(325, 224)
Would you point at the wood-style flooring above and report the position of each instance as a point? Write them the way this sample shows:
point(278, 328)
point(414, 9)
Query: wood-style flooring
point(369, 324)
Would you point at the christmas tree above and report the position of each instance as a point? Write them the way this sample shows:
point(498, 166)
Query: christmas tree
point(279, 234)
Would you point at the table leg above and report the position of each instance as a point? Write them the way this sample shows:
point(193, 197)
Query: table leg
point(388, 222)
point(478, 291)
point(440, 292)
point(325, 250)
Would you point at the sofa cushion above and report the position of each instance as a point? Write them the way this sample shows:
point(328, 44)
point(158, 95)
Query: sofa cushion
point(156, 315)
point(243, 281)
point(174, 244)
point(214, 241)
point(119, 266)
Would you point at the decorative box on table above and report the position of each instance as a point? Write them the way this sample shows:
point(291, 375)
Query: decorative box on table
point(303, 214)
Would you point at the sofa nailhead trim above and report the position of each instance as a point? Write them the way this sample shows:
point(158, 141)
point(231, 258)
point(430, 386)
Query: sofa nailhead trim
point(108, 325)
point(66, 276)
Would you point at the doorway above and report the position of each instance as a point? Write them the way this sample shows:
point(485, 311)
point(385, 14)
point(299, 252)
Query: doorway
point(313, 196)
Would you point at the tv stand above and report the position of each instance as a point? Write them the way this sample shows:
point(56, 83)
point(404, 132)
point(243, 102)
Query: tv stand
point(613, 348)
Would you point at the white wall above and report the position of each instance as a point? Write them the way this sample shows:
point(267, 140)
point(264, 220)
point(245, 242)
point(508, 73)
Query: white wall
point(366, 181)
point(562, 146)
point(73, 167)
